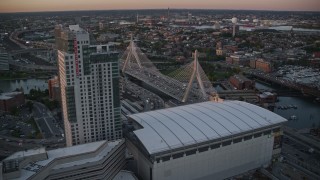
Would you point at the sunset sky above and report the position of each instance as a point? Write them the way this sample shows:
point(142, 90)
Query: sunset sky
point(62, 5)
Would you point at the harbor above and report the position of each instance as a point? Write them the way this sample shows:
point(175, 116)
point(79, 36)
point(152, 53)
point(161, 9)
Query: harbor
point(301, 112)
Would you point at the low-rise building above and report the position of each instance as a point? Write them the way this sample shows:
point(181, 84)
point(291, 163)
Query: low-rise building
point(237, 60)
point(230, 48)
point(252, 63)
point(11, 100)
point(54, 89)
point(97, 160)
point(241, 82)
point(267, 97)
point(263, 65)
point(206, 140)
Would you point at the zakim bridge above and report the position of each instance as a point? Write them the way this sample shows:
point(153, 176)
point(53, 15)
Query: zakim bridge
point(188, 84)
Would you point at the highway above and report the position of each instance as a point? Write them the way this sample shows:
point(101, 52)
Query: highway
point(165, 84)
point(23, 66)
point(292, 134)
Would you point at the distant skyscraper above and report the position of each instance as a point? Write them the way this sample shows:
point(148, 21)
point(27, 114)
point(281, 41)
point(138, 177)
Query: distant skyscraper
point(89, 84)
point(234, 21)
point(168, 15)
point(101, 26)
point(137, 18)
point(189, 17)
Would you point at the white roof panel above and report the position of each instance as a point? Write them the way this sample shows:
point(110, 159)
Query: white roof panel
point(208, 120)
point(184, 125)
point(173, 125)
point(202, 127)
point(187, 126)
point(218, 117)
point(245, 113)
point(228, 114)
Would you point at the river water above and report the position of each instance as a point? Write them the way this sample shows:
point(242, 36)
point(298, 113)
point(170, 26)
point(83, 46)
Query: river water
point(25, 84)
point(307, 112)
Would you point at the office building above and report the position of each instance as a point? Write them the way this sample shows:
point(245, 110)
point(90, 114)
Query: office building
point(97, 160)
point(89, 85)
point(206, 140)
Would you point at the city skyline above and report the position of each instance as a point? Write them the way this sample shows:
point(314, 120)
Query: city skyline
point(74, 5)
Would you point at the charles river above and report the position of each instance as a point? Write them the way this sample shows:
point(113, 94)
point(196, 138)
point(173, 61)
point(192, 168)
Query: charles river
point(307, 111)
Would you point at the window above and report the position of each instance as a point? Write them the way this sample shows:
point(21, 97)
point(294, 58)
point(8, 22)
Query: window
point(202, 149)
point(257, 135)
point(178, 155)
point(247, 137)
point(276, 130)
point(267, 132)
point(226, 143)
point(166, 158)
point(215, 146)
point(193, 151)
point(237, 140)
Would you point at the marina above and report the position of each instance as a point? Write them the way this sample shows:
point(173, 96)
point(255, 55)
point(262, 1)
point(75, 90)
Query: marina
point(302, 112)
point(300, 75)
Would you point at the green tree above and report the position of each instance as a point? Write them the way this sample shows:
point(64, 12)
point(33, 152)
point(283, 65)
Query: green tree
point(29, 105)
point(15, 111)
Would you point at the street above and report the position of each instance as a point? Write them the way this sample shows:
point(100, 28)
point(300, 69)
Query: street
point(46, 122)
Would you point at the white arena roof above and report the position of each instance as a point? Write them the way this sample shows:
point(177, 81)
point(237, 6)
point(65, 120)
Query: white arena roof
point(176, 127)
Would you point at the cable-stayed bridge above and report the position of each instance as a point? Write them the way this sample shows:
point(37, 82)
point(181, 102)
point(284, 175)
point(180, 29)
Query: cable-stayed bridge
point(187, 84)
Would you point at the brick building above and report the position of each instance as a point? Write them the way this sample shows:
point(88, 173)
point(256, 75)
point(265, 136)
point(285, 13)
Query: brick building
point(230, 48)
point(237, 60)
point(263, 65)
point(241, 82)
point(219, 50)
point(10, 100)
point(267, 97)
point(54, 90)
point(252, 63)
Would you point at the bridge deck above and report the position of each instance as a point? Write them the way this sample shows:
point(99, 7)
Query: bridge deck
point(167, 85)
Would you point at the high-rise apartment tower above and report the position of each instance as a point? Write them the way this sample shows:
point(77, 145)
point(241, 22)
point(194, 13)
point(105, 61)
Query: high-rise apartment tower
point(89, 82)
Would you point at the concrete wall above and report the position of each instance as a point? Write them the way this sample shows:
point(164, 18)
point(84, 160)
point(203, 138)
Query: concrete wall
point(215, 164)
point(141, 164)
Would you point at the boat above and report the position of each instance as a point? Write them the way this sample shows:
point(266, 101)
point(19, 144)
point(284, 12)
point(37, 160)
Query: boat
point(293, 117)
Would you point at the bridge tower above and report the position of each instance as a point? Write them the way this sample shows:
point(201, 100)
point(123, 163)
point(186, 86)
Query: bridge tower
point(131, 54)
point(134, 59)
point(195, 75)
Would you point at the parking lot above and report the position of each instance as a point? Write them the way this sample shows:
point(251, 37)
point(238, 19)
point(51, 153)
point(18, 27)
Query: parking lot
point(17, 126)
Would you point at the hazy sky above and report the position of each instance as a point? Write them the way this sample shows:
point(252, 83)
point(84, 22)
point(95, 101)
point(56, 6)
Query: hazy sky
point(61, 5)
